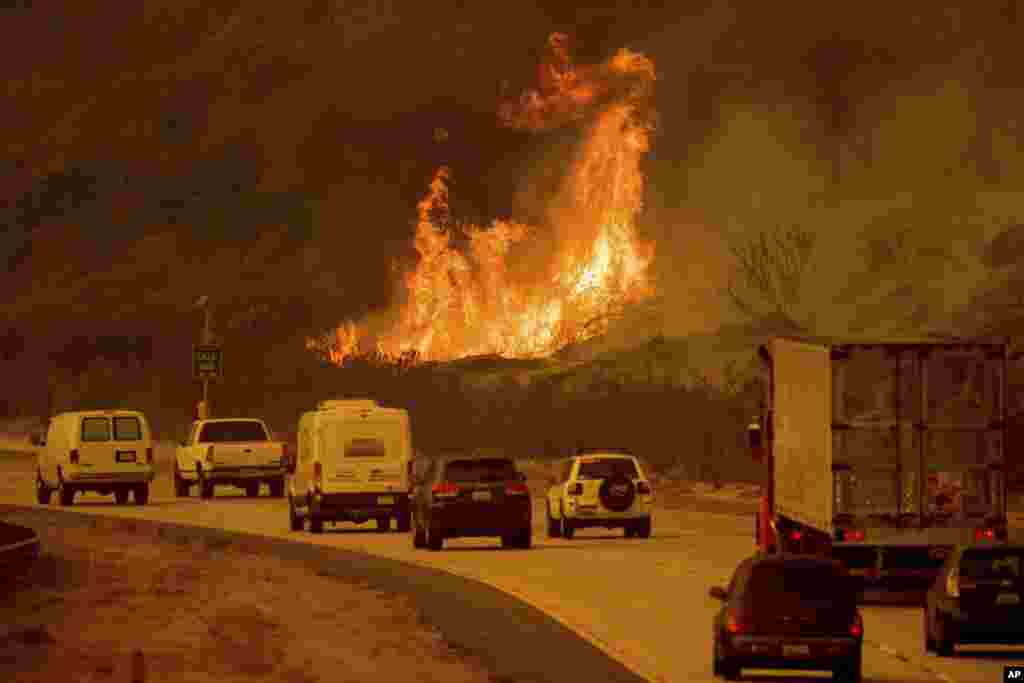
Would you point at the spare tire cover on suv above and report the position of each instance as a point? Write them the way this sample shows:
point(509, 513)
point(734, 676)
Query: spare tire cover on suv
point(617, 493)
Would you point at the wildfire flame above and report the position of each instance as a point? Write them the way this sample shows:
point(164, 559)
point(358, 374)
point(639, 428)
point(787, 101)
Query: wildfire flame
point(465, 303)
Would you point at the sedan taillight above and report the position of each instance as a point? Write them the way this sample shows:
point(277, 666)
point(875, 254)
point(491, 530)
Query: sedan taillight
point(517, 490)
point(445, 490)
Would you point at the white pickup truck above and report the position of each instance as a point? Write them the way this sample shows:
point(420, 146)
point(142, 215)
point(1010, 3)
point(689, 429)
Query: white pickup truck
point(236, 452)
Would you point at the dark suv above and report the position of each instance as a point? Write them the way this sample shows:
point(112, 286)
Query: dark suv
point(788, 612)
point(977, 599)
point(471, 495)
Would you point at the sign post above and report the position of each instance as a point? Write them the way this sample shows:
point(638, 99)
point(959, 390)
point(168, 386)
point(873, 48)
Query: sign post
point(207, 361)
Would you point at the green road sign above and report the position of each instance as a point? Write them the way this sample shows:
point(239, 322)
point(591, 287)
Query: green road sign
point(207, 362)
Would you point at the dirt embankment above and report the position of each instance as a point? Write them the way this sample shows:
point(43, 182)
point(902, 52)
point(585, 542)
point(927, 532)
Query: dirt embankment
point(109, 606)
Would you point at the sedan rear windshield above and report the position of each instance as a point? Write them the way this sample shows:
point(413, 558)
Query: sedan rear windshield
point(810, 587)
point(991, 564)
point(609, 467)
point(242, 430)
point(480, 470)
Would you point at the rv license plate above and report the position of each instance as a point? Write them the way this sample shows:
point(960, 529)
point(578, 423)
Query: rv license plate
point(386, 500)
point(481, 495)
point(1008, 599)
point(796, 650)
point(125, 456)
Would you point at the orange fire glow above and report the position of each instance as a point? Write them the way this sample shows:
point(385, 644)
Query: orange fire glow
point(460, 303)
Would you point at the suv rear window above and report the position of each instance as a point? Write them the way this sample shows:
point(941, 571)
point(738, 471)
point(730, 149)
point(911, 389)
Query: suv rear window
point(127, 429)
point(480, 470)
point(95, 429)
point(608, 467)
point(366, 448)
point(821, 587)
point(990, 564)
point(242, 430)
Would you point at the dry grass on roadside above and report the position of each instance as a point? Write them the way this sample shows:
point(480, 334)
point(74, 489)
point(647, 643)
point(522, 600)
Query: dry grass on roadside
point(97, 597)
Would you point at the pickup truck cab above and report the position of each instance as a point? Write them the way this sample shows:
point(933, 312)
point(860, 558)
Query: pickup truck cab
point(235, 452)
point(106, 451)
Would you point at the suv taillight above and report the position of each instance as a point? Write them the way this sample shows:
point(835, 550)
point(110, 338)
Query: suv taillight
point(74, 456)
point(149, 456)
point(576, 489)
point(516, 490)
point(643, 489)
point(857, 627)
point(445, 490)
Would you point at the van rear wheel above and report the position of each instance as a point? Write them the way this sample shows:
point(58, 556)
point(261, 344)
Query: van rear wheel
point(42, 490)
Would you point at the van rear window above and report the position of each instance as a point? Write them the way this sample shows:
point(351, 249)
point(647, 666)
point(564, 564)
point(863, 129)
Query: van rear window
point(95, 429)
point(366, 448)
point(127, 429)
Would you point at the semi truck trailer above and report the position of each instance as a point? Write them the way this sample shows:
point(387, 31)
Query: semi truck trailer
point(883, 454)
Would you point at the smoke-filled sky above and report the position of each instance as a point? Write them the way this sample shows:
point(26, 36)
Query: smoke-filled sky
point(856, 121)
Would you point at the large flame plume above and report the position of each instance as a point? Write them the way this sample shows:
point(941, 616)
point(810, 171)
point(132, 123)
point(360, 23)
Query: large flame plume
point(465, 302)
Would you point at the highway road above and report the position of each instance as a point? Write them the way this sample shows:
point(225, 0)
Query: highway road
point(643, 601)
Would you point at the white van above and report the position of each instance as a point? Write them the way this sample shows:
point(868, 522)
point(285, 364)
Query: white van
point(351, 465)
point(108, 451)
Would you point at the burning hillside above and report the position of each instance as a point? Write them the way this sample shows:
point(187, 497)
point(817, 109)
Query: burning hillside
point(461, 302)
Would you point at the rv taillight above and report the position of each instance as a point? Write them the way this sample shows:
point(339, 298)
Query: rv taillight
point(74, 456)
point(445, 490)
point(149, 456)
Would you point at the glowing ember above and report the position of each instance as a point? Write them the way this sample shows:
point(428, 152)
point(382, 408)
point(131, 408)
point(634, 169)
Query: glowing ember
point(460, 304)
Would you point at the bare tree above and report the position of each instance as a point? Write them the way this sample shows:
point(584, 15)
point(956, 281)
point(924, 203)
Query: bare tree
point(768, 272)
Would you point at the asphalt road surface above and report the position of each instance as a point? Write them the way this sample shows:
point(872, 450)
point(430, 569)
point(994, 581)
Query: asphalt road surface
point(644, 601)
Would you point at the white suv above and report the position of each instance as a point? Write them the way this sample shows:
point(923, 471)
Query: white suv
point(600, 489)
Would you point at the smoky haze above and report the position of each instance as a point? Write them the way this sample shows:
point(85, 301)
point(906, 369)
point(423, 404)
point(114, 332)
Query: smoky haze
point(275, 153)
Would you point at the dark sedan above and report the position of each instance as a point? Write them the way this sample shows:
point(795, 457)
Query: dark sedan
point(788, 612)
point(977, 599)
point(470, 495)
